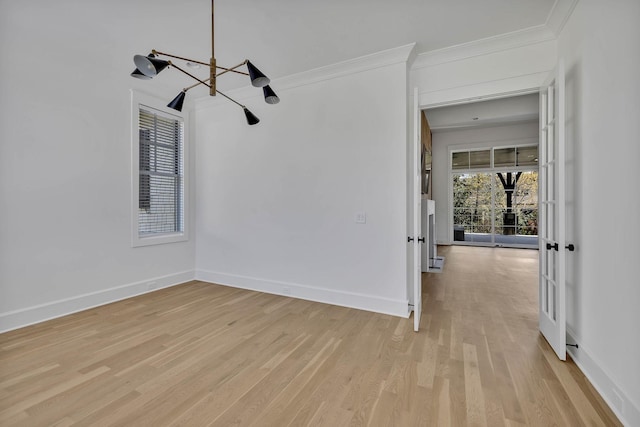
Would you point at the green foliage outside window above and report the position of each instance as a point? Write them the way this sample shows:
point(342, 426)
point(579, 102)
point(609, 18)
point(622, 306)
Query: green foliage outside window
point(472, 203)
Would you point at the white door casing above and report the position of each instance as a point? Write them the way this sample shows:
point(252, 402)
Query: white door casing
point(551, 213)
point(417, 213)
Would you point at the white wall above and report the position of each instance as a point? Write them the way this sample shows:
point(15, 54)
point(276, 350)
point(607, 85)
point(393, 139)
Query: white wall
point(509, 64)
point(65, 167)
point(276, 202)
point(600, 45)
point(461, 139)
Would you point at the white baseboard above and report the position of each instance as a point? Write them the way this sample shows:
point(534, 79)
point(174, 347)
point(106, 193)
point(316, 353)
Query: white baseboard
point(311, 293)
point(39, 313)
point(626, 411)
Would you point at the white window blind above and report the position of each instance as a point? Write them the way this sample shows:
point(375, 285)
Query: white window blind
point(161, 174)
point(497, 157)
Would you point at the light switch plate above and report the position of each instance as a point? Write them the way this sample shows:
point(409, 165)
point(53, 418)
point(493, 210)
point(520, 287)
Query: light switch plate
point(361, 217)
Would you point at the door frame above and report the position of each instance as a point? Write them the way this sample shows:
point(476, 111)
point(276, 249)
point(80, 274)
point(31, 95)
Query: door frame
point(416, 193)
point(497, 94)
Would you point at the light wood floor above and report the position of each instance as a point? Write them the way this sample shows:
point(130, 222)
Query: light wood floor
point(201, 354)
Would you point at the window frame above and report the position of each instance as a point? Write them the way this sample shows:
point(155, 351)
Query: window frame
point(140, 100)
point(491, 166)
point(457, 148)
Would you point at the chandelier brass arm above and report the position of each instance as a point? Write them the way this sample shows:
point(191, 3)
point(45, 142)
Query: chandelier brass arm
point(150, 66)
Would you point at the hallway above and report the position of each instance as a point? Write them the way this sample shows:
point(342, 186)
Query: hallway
point(483, 312)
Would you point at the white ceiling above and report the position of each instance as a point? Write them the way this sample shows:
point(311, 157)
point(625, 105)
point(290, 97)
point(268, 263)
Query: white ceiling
point(284, 37)
point(517, 109)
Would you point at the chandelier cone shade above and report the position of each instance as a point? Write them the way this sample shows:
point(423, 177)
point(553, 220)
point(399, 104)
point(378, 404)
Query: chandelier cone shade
point(138, 75)
point(177, 102)
point(149, 65)
point(251, 118)
point(270, 96)
point(258, 79)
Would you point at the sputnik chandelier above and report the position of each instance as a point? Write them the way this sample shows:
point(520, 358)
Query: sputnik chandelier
point(151, 65)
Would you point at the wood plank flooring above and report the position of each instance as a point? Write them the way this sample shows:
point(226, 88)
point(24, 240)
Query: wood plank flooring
point(202, 354)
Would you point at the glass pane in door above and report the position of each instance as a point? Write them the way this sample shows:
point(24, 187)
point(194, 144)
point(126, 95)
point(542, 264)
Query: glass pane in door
point(526, 206)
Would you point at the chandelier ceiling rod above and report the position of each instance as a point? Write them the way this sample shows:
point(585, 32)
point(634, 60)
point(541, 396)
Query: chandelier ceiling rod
point(149, 66)
point(212, 67)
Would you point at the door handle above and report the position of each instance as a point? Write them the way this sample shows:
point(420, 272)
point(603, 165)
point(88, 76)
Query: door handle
point(570, 247)
point(554, 246)
point(409, 239)
point(421, 239)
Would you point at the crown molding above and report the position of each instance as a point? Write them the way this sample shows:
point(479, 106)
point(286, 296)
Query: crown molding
point(402, 54)
point(559, 15)
point(549, 31)
point(512, 40)
point(396, 55)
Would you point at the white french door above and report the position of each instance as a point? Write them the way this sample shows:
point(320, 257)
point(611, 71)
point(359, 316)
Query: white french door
point(552, 316)
point(417, 213)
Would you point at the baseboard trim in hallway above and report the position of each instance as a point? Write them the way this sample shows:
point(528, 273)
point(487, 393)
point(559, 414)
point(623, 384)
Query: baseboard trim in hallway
point(626, 411)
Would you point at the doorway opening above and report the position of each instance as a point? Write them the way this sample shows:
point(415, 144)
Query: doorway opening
point(547, 131)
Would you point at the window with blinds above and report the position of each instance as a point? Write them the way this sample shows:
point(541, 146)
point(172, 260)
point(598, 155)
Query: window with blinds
point(497, 157)
point(161, 174)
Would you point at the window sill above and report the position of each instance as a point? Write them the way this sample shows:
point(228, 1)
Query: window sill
point(159, 239)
